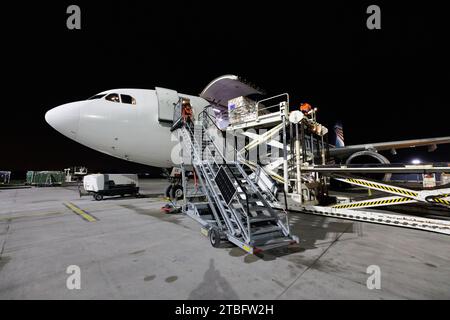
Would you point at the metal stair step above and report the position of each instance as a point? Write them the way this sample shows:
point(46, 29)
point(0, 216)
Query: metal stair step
point(262, 219)
point(264, 237)
point(278, 242)
point(264, 230)
point(253, 200)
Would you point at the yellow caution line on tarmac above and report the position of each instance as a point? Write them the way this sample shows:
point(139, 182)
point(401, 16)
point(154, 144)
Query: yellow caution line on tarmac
point(83, 214)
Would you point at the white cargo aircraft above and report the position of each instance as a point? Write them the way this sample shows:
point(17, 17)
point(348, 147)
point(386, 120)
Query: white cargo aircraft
point(131, 124)
point(134, 124)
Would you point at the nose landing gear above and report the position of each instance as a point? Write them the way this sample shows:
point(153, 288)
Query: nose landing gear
point(174, 192)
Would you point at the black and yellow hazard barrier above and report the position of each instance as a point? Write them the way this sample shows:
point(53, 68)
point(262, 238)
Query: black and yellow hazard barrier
point(83, 214)
point(381, 187)
point(439, 199)
point(374, 202)
point(443, 201)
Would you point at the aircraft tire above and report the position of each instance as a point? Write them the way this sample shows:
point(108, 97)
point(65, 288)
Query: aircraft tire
point(176, 193)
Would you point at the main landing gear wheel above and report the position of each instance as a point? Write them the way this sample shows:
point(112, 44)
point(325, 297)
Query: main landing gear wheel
point(214, 237)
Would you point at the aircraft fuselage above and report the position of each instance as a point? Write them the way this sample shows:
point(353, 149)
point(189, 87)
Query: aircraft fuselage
point(124, 130)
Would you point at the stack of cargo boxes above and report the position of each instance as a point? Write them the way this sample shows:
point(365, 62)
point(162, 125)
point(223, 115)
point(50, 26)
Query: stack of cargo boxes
point(242, 109)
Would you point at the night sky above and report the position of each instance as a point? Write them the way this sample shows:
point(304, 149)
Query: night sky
point(387, 84)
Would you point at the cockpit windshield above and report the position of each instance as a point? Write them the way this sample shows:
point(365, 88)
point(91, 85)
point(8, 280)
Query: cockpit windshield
point(127, 99)
point(114, 97)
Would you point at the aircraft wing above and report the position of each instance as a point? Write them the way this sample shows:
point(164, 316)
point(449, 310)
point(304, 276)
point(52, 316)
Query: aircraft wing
point(393, 145)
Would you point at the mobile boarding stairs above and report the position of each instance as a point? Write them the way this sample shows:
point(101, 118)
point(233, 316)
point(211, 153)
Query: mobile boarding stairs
point(225, 199)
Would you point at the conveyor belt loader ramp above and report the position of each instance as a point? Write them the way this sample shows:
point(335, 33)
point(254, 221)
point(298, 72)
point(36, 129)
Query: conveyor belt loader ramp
point(400, 195)
point(237, 208)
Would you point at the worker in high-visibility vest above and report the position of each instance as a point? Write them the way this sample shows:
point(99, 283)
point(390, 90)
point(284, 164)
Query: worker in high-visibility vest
point(186, 111)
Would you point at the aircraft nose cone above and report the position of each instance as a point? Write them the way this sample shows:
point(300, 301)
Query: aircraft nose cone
point(65, 118)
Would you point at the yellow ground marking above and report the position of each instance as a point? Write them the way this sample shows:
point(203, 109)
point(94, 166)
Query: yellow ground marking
point(204, 232)
point(86, 216)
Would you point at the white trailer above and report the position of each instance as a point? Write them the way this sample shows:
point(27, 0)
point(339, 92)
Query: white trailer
point(100, 185)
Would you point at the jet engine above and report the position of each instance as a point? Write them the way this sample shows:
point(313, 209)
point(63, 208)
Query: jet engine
point(368, 157)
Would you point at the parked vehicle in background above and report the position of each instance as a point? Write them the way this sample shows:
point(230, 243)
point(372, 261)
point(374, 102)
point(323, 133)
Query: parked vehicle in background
point(100, 185)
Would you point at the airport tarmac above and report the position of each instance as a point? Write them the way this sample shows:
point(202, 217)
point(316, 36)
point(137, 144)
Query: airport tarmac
point(130, 249)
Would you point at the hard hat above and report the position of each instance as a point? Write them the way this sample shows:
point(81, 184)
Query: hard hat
point(305, 107)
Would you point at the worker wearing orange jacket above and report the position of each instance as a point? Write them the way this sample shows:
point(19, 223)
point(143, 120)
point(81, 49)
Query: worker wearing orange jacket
point(305, 108)
point(186, 111)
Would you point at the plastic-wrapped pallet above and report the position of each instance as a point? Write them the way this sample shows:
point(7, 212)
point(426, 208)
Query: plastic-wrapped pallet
point(241, 109)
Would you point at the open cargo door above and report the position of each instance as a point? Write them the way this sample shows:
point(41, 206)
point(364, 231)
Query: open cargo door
point(167, 99)
point(222, 89)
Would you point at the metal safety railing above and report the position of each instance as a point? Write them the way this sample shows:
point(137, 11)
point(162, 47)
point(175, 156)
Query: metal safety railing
point(259, 102)
point(212, 158)
point(205, 118)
